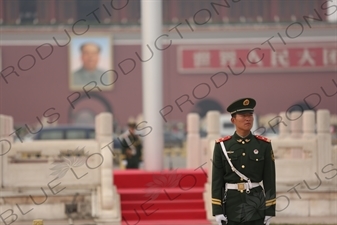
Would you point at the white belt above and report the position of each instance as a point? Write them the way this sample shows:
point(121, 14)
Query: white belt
point(241, 186)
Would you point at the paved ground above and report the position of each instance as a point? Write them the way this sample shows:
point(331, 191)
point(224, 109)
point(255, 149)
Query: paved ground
point(305, 220)
point(277, 220)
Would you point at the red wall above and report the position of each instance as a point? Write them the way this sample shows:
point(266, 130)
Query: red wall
point(45, 86)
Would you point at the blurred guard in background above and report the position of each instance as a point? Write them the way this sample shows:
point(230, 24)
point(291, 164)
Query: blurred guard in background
point(131, 146)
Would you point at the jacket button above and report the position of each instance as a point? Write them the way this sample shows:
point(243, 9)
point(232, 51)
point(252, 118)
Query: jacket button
point(243, 154)
point(243, 166)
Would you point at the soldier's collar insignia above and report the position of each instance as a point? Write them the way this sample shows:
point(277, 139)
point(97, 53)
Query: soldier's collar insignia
point(243, 141)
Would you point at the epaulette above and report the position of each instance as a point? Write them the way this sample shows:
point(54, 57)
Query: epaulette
point(223, 139)
point(262, 138)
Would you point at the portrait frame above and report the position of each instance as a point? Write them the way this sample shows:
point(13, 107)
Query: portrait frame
point(78, 75)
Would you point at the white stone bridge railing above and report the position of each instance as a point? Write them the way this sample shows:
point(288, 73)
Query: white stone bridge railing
point(303, 146)
point(58, 179)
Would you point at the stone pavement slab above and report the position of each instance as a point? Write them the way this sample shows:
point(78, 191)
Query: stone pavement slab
point(305, 220)
point(331, 220)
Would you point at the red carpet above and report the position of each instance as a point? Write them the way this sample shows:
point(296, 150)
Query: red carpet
point(161, 198)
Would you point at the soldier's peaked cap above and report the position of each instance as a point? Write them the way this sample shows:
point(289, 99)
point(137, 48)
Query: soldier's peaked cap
point(242, 105)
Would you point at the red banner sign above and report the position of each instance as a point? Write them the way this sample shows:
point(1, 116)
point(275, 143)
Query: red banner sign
point(260, 58)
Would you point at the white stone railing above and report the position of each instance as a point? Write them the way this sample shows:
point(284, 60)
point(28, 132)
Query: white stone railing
point(55, 171)
point(303, 146)
point(29, 164)
point(199, 151)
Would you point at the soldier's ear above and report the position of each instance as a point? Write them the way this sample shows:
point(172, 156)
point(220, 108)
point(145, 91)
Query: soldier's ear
point(232, 119)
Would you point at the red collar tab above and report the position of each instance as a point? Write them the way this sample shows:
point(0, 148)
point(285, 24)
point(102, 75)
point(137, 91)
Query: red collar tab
point(262, 138)
point(223, 139)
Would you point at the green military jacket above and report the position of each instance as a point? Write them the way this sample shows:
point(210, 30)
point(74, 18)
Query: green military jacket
point(252, 156)
point(132, 141)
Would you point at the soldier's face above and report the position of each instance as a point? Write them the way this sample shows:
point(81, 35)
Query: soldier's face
point(243, 121)
point(132, 130)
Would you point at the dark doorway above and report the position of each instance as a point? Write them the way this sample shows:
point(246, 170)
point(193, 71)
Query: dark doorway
point(300, 107)
point(27, 11)
point(206, 105)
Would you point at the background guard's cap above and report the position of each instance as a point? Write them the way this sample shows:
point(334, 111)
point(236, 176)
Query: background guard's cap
point(132, 124)
point(242, 105)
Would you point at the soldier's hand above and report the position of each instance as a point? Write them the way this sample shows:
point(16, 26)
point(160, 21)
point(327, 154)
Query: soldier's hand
point(219, 218)
point(267, 220)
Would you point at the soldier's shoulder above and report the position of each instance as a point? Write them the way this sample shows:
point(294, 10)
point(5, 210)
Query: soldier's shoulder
point(226, 138)
point(262, 138)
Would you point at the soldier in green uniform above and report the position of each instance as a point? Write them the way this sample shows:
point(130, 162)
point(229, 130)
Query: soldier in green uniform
point(248, 186)
point(131, 147)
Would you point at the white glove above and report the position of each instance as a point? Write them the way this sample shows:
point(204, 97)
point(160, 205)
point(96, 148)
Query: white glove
point(267, 220)
point(220, 218)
